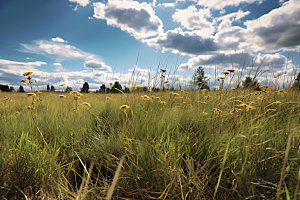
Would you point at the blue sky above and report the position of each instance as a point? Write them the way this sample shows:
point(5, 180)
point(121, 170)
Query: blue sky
point(73, 41)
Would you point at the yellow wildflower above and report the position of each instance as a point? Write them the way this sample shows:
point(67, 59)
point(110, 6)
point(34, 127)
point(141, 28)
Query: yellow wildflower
point(231, 70)
point(220, 77)
point(27, 73)
point(217, 111)
point(62, 96)
point(62, 85)
point(226, 73)
point(86, 104)
point(174, 93)
point(248, 108)
point(204, 113)
point(277, 102)
point(163, 70)
point(162, 102)
point(110, 84)
point(124, 107)
point(30, 94)
point(233, 89)
point(145, 97)
point(23, 80)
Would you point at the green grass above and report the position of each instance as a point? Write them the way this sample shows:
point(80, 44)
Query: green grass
point(170, 151)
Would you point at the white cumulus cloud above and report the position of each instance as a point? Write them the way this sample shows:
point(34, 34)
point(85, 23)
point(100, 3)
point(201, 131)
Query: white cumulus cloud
point(138, 19)
point(82, 3)
point(97, 65)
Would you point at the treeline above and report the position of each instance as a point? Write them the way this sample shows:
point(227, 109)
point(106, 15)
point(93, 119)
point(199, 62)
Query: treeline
point(6, 88)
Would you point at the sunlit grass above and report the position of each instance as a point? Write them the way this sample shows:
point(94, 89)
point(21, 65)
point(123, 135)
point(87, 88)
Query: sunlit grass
point(226, 144)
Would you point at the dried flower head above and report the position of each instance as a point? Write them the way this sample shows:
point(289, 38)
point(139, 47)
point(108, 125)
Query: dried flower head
point(86, 104)
point(23, 80)
point(27, 73)
point(124, 107)
point(30, 94)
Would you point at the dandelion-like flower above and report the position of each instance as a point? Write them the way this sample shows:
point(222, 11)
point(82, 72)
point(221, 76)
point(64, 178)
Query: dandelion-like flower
point(221, 77)
point(30, 94)
point(163, 70)
point(110, 84)
point(217, 111)
point(23, 80)
point(282, 91)
point(62, 85)
point(62, 96)
point(233, 88)
point(86, 104)
point(231, 70)
point(175, 94)
point(123, 107)
point(204, 113)
point(248, 108)
point(145, 97)
point(226, 73)
point(162, 102)
point(27, 73)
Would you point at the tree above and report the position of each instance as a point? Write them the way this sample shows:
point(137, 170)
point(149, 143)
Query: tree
point(4, 88)
point(21, 89)
point(117, 87)
point(52, 89)
point(297, 82)
point(102, 88)
point(250, 83)
point(11, 89)
point(85, 88)
point(48, 88)
point(200, 79)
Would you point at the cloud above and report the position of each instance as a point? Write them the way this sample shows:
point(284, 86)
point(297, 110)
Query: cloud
point(189, 42)
point(268, 62)
point(235, 16)
point(58, 67)
point(138, 19)
point(192, 18)
point(166, 5)
point(82, 3)
point(57, 49)
point(58, 39)
point(220, 4)
point(278, 29)
point(97, 65)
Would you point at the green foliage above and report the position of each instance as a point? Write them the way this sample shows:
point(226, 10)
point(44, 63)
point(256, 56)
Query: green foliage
point(85, 88)
point(117, 87)
point(52, 89)
point(200, 79)
point(21, 89)
point(250, 83)
point(171, 150)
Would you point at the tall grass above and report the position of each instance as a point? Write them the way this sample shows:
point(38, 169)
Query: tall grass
point(183, 149)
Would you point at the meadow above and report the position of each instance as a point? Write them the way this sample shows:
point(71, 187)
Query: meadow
point(192, 144)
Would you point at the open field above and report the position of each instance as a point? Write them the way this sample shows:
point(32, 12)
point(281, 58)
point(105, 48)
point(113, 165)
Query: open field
point(237, 144)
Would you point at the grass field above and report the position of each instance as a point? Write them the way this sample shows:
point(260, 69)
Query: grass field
point(241, 144)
